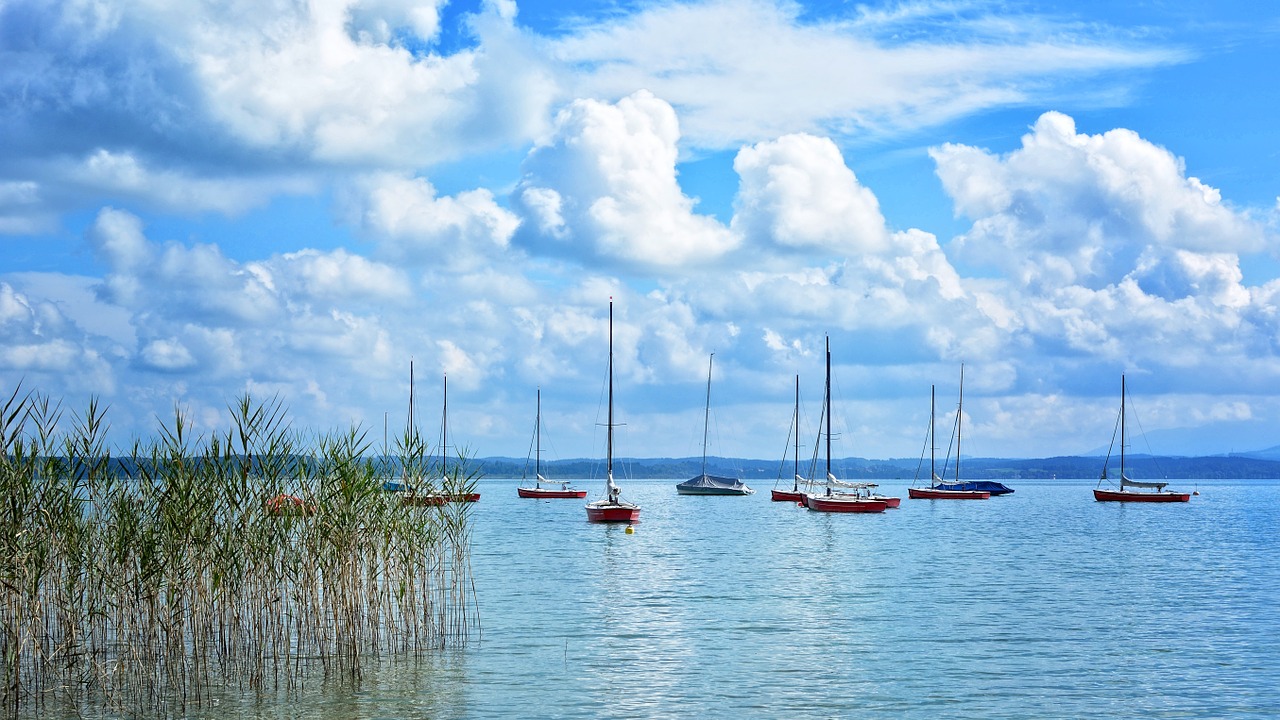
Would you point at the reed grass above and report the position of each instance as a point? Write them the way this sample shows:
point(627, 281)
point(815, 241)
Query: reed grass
point(143, 583)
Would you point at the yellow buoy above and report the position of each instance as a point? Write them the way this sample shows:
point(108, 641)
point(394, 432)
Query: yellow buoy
point(630, 530)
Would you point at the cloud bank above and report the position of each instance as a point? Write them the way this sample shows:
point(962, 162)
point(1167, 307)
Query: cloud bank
point(492, 185)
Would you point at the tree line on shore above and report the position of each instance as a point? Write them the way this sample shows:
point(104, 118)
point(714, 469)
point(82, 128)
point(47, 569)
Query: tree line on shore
point(1217, 467)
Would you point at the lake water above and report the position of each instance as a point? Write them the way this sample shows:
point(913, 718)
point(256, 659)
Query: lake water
point(1040, 604)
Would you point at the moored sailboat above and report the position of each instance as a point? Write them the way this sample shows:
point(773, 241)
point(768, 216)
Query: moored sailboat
point(831, 500)
point(936, 489)
point(870, 491)
point(538, 491)
point(409, 478)
point(612, 508)
point(704, 484)
point(990, 486)
point(1141, 491)
point(795, 494)
point(448, 490)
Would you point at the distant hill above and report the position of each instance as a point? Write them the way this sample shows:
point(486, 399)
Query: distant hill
point(1271, 453)
point(1262, 465)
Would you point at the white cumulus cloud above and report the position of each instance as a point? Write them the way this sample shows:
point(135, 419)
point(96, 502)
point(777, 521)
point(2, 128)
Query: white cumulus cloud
point(410, 222)
point(604, 186)
point(1109, 249)
point(798, 192)
point(1070, 208)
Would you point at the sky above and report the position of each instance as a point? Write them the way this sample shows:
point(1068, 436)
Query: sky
point(295, 200)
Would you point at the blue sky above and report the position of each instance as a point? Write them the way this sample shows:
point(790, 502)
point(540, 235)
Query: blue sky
point(295, 199)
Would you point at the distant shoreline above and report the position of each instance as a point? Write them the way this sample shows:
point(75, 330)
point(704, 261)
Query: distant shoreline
point(1220, 467)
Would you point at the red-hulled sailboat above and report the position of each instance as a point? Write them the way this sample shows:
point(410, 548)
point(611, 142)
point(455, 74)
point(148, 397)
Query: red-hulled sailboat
point(795, 494)
point(1143, 491)
point(612, 508)
point(832, 501)
point(934, 491)
point(868, 490)
point(538, 491)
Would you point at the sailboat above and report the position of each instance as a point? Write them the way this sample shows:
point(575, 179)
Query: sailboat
point(411, 435)
point(612, 508)
point(832, 501)
point(705, 484)
point(991, 486)
point(1142, 491)
point(446, 493)
point(538, 491)
point(795, 494)
point(936, 491)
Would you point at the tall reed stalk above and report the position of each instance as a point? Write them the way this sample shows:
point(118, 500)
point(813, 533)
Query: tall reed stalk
point(143, 583)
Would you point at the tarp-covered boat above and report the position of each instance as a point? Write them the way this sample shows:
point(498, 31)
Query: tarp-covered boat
point(955, 490)
point(705, 484)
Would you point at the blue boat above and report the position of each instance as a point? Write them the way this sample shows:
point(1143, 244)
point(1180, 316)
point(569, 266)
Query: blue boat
point(990, 486)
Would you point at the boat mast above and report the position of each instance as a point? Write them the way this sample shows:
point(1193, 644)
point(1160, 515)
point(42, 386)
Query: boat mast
point(933, 445)
point(411, 432)
point(1122, 393)
point(612, 489)
point(444, 430)
point(959, 421)
point(706, 418)
point(537, 434)
point(828, 407)
point(795, 476)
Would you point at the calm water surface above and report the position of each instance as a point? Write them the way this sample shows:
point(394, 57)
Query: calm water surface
point(1040, 604)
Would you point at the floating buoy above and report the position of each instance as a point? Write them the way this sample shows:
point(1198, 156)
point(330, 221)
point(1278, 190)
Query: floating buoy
point(630, 530)
point(1197, 492)
point(800, 504)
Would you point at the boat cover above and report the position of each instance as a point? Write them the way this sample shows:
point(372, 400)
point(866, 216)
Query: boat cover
point(1126, 482)
point(990, 486)
point(714, 481)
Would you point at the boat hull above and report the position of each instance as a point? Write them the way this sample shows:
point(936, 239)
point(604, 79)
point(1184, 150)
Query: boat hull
point(843, 504)
point(429, 499)
point(607, 512)
point(787, 496)
point(712, 491)
point(945, 494)
point(889, 502)
point(548, 493)
point(990, 486)
point(1148, 497)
